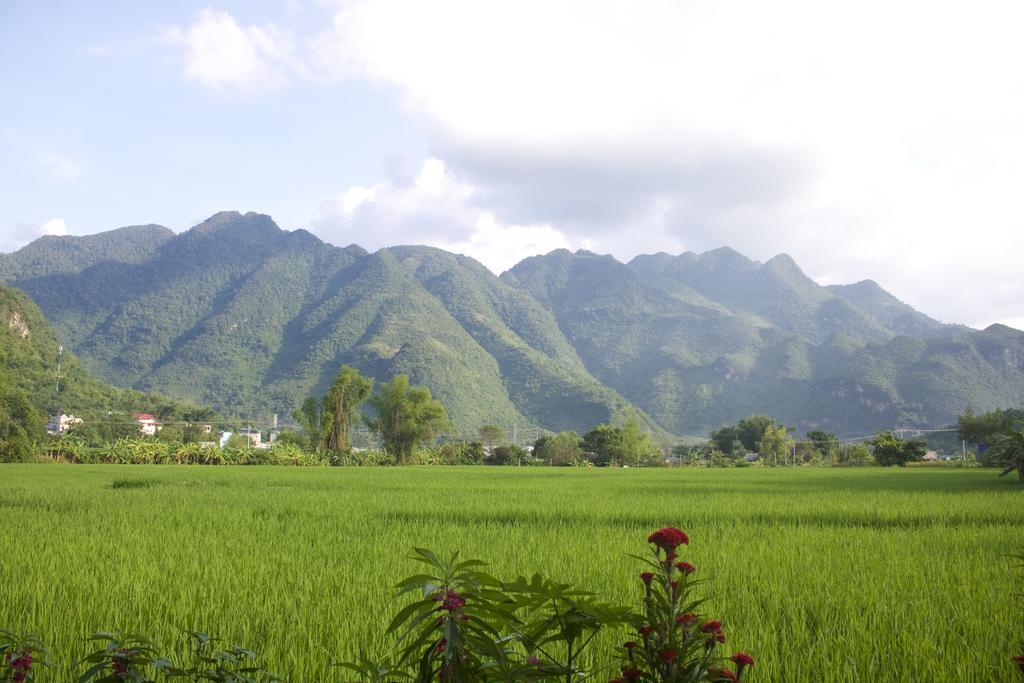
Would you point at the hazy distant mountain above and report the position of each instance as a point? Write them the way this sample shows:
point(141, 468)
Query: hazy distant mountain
point(700, 340)
point(241, 315)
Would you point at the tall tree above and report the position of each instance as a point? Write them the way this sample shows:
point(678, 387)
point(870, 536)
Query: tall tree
point(984, 428)
point(751, 430)
point(774, 445)
point(405, 416)
point(491, 435)
point(1008, 452)
point(827, 444)
point(727, 439)
point(310, 418)
point(341, 405)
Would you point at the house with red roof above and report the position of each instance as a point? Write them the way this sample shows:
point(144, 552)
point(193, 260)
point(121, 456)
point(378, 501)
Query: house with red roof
point(147, 423)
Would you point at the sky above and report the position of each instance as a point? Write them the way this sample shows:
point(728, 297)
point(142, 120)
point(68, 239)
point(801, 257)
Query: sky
point(872, 139)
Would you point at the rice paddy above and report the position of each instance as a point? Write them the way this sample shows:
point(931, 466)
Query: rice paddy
point(821, 574)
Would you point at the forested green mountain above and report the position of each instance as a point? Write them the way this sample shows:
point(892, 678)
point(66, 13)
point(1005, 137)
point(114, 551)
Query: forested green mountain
point(28, 370)
point(701, 340)
point(241, 315)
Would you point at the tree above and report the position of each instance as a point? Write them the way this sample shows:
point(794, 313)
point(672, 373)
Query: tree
point(827, 444)
point(310, 418)
point(491, 435)
point(985, 429)
point(1008, 452)
point(341, 405)
point(625, 445)
point(406, 416)
point(855, 455)
point(636, 445)
point(982, 429)
point(774, 445)
point(460, 453)
point(508, 455)
point(603, 442)
point(888, 449)
point(20, 424)
point(751, 430)
point(726, 439)
point(560, 449)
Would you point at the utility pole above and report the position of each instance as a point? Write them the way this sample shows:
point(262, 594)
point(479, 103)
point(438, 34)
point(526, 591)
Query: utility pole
point(964, 444)
point(60, 357)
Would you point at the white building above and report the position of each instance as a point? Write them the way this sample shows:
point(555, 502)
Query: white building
point(147, 423)
point(61, 423)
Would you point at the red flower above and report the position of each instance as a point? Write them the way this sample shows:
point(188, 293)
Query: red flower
point(617, 680)
point(668, 539)
point(631, 674)
point(441, 645)
point(629, 644)
point(723, 674)
point(669, 655)
point(742, 659)
point(450, 601)
point(1019, 661)
point(686, 619)
point(685, 567)
point(646, 577)
point(644, 630)
point(711, 626)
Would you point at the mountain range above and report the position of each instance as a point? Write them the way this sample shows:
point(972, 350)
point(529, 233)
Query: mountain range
point(32, 359)
point(248, 318)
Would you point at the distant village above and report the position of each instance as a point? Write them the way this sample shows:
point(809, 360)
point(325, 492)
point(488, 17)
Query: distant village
point(149, 426)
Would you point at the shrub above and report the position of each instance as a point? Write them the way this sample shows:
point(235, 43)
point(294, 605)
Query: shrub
point(465, 625)
point(889, 450)
point(20, 657)
point(134, 658)
point(458, 453)
point(509, 455)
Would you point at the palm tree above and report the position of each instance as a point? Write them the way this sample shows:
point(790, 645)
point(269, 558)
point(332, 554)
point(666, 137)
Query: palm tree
point(1008, 451)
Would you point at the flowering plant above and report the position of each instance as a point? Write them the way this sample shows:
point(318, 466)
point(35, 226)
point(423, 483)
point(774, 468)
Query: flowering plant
point(468, 626)
point(134, 658)
point(674, 644)
point(19, 655)
point(465, 625)
point(123, 657)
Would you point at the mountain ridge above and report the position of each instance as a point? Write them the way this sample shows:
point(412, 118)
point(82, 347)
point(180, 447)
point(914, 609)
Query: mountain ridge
point(242, 315)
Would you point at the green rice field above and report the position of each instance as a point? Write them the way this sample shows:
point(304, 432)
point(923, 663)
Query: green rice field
point(821, 574)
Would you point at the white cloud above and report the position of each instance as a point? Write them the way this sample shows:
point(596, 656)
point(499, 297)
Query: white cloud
point(435, 209)
point(61, 168)
point(18, 236)
point(54, 226)
point(869, 139)
point(220, 54)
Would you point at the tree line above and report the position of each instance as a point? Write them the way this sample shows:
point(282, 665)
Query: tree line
point(408, 420)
